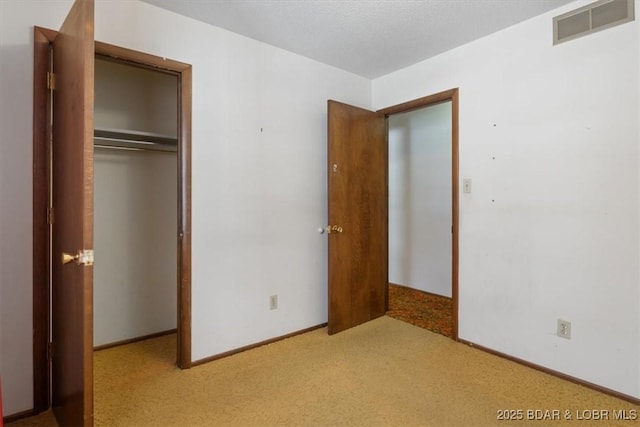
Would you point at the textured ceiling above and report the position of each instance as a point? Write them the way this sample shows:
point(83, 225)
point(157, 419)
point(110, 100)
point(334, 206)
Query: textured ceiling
point(370, 38)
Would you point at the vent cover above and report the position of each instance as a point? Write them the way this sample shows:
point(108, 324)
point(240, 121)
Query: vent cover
point(597, 16)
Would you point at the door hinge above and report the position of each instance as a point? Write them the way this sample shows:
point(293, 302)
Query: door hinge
point(51, 216)
point(51, 81)
point(50, 351)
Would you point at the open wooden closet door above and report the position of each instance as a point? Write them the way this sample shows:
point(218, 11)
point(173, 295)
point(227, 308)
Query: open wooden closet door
point(72, 235)
point(357, 201)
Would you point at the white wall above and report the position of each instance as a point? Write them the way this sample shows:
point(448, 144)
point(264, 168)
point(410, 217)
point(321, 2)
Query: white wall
point(420, 199)
point(259, 179)
point(550, 137)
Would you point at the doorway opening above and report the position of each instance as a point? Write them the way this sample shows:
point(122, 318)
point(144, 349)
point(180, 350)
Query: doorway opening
point(423, 212)
point(358, 210)
point(146, 164)
point(135, 202)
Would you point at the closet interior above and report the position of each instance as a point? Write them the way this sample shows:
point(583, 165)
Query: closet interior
point(136, 119)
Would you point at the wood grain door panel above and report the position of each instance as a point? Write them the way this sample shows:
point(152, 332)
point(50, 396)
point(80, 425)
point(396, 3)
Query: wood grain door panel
point(357, 202)
point(72, 192)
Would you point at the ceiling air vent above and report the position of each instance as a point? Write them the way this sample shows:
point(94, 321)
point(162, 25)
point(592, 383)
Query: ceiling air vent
point(594, 17)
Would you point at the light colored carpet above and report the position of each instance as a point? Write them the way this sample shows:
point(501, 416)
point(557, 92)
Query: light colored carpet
point(383, 373)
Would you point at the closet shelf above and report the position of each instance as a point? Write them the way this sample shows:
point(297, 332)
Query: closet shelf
point(134, 140)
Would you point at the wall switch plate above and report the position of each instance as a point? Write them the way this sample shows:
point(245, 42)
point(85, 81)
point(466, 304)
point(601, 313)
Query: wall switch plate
point(273, 302)
point(466, 185)
point(564, 329)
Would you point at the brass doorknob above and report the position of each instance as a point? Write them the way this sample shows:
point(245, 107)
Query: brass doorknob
point(67, 258)
point(333, 229)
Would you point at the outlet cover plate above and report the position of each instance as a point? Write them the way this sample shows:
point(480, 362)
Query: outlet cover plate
point(564, 329)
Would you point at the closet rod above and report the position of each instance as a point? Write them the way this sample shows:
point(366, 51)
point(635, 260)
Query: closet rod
point(125, 144)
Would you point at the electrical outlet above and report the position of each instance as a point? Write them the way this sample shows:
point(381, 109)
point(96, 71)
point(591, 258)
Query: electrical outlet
point(564, 329)
point(273, 302)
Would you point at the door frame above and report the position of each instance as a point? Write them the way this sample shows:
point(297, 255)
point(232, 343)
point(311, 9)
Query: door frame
point(42, 110)
point(416, 104)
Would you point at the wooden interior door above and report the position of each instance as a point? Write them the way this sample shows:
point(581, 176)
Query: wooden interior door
point(357, 199)
point(72, 195)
